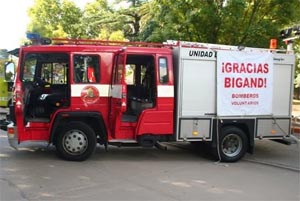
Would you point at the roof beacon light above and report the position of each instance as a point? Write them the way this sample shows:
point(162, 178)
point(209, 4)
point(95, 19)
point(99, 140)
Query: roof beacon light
point(36, 39)
point(273, 44)
point(33, 36)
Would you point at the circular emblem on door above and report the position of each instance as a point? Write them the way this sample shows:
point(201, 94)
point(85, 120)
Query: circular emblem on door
point(90, 94)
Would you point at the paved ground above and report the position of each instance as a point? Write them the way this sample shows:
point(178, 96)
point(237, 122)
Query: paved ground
point(178, 174)
point(34, 173)
point(148, 175)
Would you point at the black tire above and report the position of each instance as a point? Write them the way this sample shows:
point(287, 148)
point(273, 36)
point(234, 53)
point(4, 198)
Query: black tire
point(76, 141)
point(233, 144)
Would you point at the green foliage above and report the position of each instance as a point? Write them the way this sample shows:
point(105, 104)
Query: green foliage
point(131, 18)
point(61, 18)
point(71, 19)
point(234, 22)
point(3, 59)
point(297, 70)
point(117, 36)
point(55, 18)
point(97, 17)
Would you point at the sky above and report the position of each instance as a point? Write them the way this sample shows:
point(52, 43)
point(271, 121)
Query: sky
point(14, 20)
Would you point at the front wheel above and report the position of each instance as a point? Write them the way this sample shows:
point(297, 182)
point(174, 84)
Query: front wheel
point(233, 144)
point(76, 141)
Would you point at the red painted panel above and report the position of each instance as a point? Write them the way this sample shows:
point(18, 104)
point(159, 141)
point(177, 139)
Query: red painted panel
point(155, 122)
point(34, 133)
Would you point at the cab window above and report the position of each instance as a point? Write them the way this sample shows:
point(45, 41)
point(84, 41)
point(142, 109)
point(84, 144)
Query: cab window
point(163, 70)
point(54, 73)
point(49, 67)
point(86, 68)
point(29, 67)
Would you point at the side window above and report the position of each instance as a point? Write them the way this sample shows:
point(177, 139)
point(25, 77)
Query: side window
point(86, 68)
point(163, 70)
point(59, 73)
point(119, 74)
point(50, 67)
point(129, 77)
point(118, 69)
point(114, 74)
point(29, 67)
point(54, 73)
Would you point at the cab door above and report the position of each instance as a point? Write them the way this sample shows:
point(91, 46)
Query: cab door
point(118, 103)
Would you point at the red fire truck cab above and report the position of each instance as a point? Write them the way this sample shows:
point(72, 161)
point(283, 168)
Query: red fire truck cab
point(77, 93)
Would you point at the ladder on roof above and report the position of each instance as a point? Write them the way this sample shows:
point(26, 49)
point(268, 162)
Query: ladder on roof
point(66, 41)
point(216, 47)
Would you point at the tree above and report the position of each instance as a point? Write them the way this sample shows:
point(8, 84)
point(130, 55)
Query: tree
point(71, 17)
point(131, 18)
point(234, 22)
point(61, 18)
point(97, 16)
point(101, 17)
point(55, 18)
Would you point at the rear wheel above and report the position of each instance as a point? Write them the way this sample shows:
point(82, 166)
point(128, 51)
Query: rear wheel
point(233, 144)
point(76, 141)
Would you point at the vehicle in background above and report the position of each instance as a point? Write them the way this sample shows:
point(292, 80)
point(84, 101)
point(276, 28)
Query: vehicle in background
point(6, 84)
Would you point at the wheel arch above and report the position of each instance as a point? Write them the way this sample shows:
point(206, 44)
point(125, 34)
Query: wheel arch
point(93, 119)
point(246, 125)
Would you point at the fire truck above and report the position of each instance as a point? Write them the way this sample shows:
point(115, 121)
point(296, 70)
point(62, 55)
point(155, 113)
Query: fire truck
point(76, 94)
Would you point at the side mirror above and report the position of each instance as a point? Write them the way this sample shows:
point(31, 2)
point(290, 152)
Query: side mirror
point(9, 71)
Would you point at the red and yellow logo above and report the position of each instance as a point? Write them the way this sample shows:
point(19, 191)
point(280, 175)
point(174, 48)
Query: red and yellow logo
point(90, 94)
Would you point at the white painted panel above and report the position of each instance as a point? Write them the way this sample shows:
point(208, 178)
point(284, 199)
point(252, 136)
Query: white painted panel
point(282, 84)
point(198, 87)
point(116, 91)
point(198, 53)
point(76, 89)
point(165, 91)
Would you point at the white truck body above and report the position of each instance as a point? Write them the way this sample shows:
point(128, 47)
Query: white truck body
point(197, 96)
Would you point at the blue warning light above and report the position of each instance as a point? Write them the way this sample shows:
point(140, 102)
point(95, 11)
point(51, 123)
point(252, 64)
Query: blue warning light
point(33, 36)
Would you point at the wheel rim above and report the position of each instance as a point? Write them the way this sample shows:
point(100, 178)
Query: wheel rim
point(231, 145)
point(75, 142)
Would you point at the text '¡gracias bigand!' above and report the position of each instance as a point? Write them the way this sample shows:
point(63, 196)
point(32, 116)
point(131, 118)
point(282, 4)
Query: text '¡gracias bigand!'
point(245, 68)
